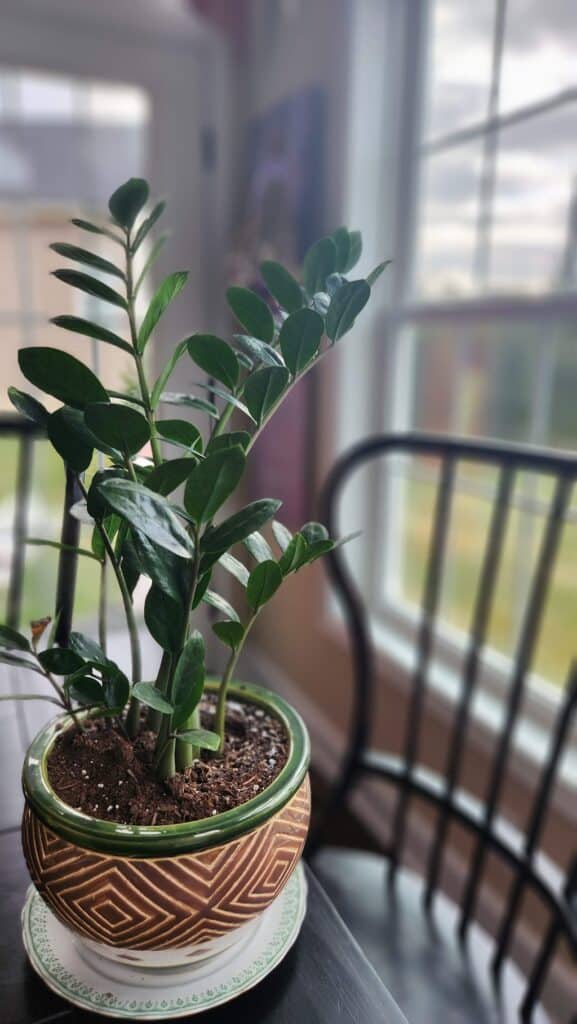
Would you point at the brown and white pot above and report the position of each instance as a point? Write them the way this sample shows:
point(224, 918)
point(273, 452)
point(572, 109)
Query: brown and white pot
point(167, 895)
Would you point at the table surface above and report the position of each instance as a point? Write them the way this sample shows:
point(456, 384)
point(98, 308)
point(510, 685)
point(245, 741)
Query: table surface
point(325, 978)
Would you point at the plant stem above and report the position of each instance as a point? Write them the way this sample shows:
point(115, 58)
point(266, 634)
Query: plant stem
point(102, 607)
point(154, 717)
point(185, 753)
point(220, 718)
point(156, 453)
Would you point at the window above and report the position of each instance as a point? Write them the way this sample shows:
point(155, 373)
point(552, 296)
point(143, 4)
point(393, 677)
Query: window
point(481, 326)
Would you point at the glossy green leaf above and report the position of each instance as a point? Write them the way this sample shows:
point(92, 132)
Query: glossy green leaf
point(60, 661)
point(200, 738)
point(201, 587)
point(212, 481)
point(282, 536)
point(258, 547)
point(232, 440)
point(282, 285)
point(71, 438)
point(239, 525)
point(167, 291)
point(260, 351)
point(355, 251)
point(313, 532)
point(263, 388)
point(126, 396)
point(264, 581)
point(116, 688)
point(90, 285)
point(166, 372)
point(61, 375)
point(180, 432)
point(320, 303)
point(164, 479)
point(221, 604)
point(78, 325)
point(28, 406)
point(41, 542)
point(164, 618)
point(150, 261)
point(295, 555)
point(345, 306)
point(87, 691)
point(94, 229)
point(167, 571)
point(127, 201)
point(319, 262)
point(176, 398)
point(147, 224)
point(252, 312)
point(342, 242)
point(96, 505)
point(334, 283)
point(188, 682)
point(90, 259)
point(147, 693)
point(216, 391)
point(234, 567)
point(230, 633)
point(12, 640)
point(299, 339)
point(148, 512)
point(215, 357)
point(376, 273)
point(86, 647)
point(119, 426)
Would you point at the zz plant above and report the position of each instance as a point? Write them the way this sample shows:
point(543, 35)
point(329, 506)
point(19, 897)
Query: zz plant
point(160, 517)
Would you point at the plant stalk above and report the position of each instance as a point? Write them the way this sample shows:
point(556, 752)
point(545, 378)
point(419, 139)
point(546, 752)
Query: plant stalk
point(142, 383)
point(220, 718)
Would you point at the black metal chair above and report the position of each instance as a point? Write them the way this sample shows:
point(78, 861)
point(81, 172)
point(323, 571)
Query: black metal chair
point(428, 948)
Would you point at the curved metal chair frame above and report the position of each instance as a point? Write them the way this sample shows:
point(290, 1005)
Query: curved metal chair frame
point(441, 790)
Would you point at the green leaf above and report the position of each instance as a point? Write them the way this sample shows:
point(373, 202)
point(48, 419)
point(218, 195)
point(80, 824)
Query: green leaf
point(282, 286)
point(12, 640)
point(239, 525)
point(119, 426)
point(90, 285)
point(181, 432)
point(313, 532)
point(166, 372)
point(127, 201)
point(74, 252)
point(94, 229)
point(87, 690)
point(320, 303)
point(376, 273)
point(262, 390)
point(86, 648)
point(221, 604)
point(6, 658)
point(258, 547)
point(299, 338)
point(126, 396)
point(201, 588)
point(164, 295)
point(167, 571)
point(40, 542)
point(319, 262)
point(259, 350)
point(60, 661)
point(355, 250)
point(200, 738)
point(232, 440)
point(28, 406)
point(215, 357)
point(188, 682)
point(295, 555)
point(334, 282)
point(234, 567)
point(150, 261)
point(252, 312)
point(176, 398)
point(164, 479)
point(77, 325)
point(147, 693)
point(282, 536)
point(116, 687)
point(226, 396)
point(147, 225)
point(164, 618)
point(264, 581)
point(148, 512)
point(231, 633)
point(212, 482)
point(342, 242)
point(96, 506)
point(71, 438)
point(345, 306)
point(61, 375)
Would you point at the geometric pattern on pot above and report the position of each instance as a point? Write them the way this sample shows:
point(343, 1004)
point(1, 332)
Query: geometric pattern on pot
point(166, 902)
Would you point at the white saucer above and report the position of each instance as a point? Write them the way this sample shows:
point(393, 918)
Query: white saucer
point(94, 983)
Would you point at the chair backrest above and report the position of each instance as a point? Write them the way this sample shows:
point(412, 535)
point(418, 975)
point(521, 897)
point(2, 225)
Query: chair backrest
point(26, 432)
point(442, 789)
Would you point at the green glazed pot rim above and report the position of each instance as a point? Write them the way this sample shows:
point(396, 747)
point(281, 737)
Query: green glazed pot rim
point(165, 840)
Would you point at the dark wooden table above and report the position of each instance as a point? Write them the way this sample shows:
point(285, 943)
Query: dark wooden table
point(325, 979)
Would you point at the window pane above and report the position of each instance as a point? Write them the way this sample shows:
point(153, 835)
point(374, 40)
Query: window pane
point(460, 65)
point(539, 52)
point(447, 223)
point(534, 238)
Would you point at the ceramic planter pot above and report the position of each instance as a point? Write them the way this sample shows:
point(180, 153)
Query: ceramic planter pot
point(167, 895)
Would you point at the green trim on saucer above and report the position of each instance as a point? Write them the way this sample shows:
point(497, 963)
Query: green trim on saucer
point(167, 840)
